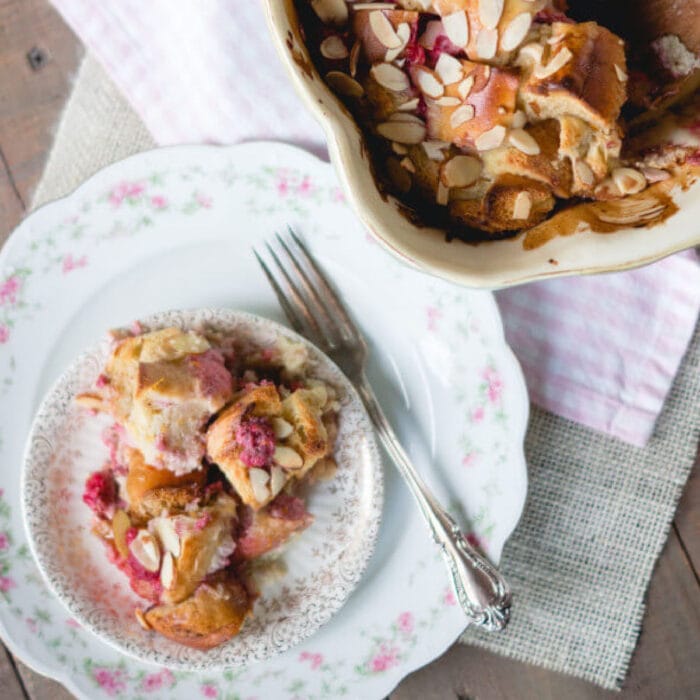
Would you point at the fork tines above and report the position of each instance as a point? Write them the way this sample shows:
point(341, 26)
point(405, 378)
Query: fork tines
point(307, 298)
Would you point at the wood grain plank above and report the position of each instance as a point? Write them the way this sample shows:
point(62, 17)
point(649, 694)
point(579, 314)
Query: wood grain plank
point(687, 520)
point(11, 206)
point(31, 98)
point(665, 664)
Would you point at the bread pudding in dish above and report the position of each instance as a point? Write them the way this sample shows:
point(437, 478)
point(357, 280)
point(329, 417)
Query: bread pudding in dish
point(485, 117)
point(212, 446)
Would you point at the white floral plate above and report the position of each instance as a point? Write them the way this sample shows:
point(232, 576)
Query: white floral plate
point(172, 228)
point(323, 565)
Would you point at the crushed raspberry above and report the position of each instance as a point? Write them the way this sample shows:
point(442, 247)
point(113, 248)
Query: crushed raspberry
point(202, 522)
point(287, 507)
point(442, 45)
point(257, 438)
point(693, 158)
point(422, 108)
point(210, 370)
point(111, 437)
point(102, 381)
point(550, 16)
point(143, 582)
point(100, 492)
point(414, 54)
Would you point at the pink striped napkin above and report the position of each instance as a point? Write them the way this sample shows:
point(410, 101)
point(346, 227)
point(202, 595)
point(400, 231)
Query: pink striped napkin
point(602, 351)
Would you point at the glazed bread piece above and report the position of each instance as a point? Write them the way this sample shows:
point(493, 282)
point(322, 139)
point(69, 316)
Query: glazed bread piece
point(262, 440)
point(212, 615)
point(163, 387)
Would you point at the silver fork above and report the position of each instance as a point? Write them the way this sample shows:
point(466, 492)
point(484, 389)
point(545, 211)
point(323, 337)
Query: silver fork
point(316, 312)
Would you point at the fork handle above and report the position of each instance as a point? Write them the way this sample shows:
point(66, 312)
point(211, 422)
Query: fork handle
point(481, 590)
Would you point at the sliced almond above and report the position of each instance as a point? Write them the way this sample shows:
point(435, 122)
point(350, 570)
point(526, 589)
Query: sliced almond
point(621, 75)
point(165, 532)
point(403, 31)
point(519, 119)
point(486, 43)
point(442, 196)
point(354, 57)
point(406, 117)
point(457, 28)
point(555, 64)
point(530, 54)
point(490, 12)
point(520, 139)
point(432, 31)
point(461, 171)
point(584, 172)
point(629, 180)
point(281, 428)
point(399, 149)
point(384, 30)
point(141, 619)
point(465, 87)
point(120, 524)
point(490, 139)
point(333, 48)
point(390, 77)
point(429, 84)
point(447, 101)
point(167, 571)
point(258, 482)
point(402, 132)
point(373, 6)
point(146, 551)
point(277, 480)
point(287, 457)
point(449, 69)
point(409, 106)
point(606, 189)
point(434, 149)
point(522, 206)
point(407, 164)
point(422, 5)
point(655, 174)
point(343, 84)
point(461, 115)
point(516, 31)
point(331, 11)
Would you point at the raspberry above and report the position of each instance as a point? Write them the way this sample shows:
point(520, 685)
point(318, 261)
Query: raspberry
point(257, 438)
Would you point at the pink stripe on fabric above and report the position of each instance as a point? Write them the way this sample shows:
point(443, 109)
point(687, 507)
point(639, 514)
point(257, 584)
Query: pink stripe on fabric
point(601, 351)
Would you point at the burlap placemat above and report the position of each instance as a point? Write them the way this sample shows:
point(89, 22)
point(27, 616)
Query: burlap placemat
point(598, 510)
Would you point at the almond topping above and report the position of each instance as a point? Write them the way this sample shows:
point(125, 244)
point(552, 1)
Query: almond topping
point(146, 551)
point(457, 28)
point(403, 31)
point(287, 457)
point(516, 31)
point(332, 47)
point(399, 148)
point(344, 84)
point(429, 84)
point(449, 69)
point(448, 101)
point(486, 43)
point(530, 53)
point(409, 106)
point(402, 132)
point(120, 524)
point(407, 163)
point(655, 174)
point(277, 480)
point(258, 482)
point(461, 115)
point(432, 31)
point(442, 196)
point(621, 75)
point(355, 57)
point(490, 12)
point(490, 139)
point(465, 87)
point(167, 571)
point(554, 65)
point(331, 11)
point(519, 119)
point(406, 117)
point(384, 30)
point(373, 6)
point(584, 172)
point(522, 206)
point(165, 531)
point(281, 428)
point(141, 619)
point(461, 171)
point(434, 149)
point(520, 139)
point(629, 180)
point(390, 77)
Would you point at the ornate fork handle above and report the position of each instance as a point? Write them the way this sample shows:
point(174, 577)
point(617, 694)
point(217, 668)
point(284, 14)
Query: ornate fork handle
point(481, 590)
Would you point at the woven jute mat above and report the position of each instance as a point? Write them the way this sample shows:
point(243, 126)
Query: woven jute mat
point(598, 511)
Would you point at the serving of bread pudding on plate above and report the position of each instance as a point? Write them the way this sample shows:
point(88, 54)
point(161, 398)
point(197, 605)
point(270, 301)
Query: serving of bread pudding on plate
point(211, 449)
point(484, 116)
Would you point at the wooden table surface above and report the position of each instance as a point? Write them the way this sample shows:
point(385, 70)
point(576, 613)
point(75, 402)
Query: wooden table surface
point(39, 55)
